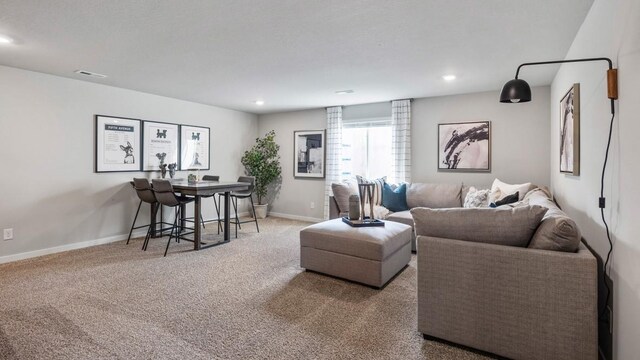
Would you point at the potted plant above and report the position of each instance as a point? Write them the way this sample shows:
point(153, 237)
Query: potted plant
point(262, 161)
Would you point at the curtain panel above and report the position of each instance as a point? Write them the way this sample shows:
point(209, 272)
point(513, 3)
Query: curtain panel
point(334, 149)
point(401, 141)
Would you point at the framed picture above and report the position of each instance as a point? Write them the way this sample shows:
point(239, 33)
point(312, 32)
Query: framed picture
point(464, 147)
point(570, 131)
point(309, 154)
point(160, 144)
point(194, 147)
point(118, 144)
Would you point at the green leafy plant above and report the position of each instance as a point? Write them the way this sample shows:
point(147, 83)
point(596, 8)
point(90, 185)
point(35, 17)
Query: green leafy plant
point(262, 161)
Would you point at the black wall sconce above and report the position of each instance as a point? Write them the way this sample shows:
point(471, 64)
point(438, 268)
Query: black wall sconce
point(518, 91)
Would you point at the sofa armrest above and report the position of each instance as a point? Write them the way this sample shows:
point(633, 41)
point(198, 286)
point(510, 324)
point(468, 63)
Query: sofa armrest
point(515, 302)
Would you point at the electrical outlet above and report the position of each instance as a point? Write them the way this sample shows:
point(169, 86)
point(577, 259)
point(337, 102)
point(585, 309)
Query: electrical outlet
point(8, 234)
point(312, 205)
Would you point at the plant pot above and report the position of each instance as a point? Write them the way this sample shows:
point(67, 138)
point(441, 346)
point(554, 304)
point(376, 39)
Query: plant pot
point(261, 211)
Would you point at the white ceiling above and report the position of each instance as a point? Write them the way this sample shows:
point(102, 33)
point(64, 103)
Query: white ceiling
point(294, 54)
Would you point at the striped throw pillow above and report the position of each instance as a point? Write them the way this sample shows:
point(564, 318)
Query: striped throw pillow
point(377, 189)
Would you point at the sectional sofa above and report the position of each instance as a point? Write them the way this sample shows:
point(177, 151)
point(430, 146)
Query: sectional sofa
point(515, 281)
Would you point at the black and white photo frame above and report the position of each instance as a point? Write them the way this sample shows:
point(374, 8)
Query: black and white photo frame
point(161, 145)
point(118, 144)
point(570, 131)
point(309, 148)
point(195, 145)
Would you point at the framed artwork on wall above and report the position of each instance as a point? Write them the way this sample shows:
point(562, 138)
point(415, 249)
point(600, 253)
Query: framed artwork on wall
point(118, 144)
point(570, 131)
point(464, 147)
point(309, 154)
point(195, 145)
point(161, 144)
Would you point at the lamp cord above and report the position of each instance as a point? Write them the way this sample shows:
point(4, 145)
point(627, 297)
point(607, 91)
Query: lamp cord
point(602, 206)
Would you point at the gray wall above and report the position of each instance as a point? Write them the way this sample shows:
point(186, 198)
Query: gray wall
point(296, 195)
point(50, 195)
point(520, 143)
point(610, 29)
point(519, 137)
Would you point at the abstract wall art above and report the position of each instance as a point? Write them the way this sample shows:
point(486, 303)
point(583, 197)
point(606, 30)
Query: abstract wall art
point(570, 131)
point(464, 147)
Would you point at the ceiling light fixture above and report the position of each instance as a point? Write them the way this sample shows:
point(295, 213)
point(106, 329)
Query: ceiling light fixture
point(259, 102)
point(5, 39)
point(89, 73)
point(449, 77)
point(343, 92)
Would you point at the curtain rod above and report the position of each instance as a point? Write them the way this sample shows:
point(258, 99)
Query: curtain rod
point(410, 99)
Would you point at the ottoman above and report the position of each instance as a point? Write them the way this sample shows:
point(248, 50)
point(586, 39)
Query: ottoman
point(368, 255)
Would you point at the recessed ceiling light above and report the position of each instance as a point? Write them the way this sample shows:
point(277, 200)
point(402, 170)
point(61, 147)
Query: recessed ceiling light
point(342, 92)
point(259, 102)
point(5, 39)
point(449, 77)
point(89, 73)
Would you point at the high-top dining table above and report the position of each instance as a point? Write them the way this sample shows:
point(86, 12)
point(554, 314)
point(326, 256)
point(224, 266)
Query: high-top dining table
point(198, 190)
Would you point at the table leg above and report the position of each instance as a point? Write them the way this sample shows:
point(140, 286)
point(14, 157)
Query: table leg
point(183, 212)
point(196, 224)
point(226, 216)
point(152, 219)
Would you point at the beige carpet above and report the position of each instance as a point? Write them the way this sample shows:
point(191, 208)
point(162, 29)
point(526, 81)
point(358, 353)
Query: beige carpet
point(245, 300)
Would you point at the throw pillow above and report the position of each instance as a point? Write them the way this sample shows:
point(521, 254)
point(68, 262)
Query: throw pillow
point(377, 189)
point(509, 199)
point(341, 193)
point(501, 226)
point(500, 189)
point(476, 198)
point(395, 200)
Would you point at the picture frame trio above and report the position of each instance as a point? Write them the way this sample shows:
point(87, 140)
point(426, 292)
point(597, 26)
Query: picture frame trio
point(127, 144)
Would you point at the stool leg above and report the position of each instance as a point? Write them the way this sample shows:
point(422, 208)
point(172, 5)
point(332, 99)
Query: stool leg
point(215, 203)
point(148, 237)
point(134, 222)
point(255, 217)
point(234, 200)
point(175, 226)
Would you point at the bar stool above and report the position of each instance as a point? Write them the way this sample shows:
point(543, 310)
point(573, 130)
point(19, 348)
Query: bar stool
point(216, 204)
point(145, 194)
point(165, 195)
point(235, 195)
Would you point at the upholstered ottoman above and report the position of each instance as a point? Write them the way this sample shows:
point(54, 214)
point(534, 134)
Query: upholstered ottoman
point(368, 255)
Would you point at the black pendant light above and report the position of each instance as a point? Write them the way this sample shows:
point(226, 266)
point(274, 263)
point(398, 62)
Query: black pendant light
point(515, 91)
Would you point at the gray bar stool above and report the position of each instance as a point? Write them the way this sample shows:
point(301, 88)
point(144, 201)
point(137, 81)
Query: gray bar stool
point(165, 195)
point(235, 195)
point(146, 195)
point(216, 204)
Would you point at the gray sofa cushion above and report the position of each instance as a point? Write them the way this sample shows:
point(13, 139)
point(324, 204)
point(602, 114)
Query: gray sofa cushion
point(403, 217)
point(557, 231)
point(500, 226)
point(374, 243)
point(434, 195)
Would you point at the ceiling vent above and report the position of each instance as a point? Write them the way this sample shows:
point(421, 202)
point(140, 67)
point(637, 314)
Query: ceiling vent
point(89, 73)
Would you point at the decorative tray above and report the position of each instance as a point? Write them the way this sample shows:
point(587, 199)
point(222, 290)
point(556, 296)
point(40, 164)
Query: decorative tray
point(362, 223)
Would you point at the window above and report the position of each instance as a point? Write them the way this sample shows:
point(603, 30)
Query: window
point(366, 148)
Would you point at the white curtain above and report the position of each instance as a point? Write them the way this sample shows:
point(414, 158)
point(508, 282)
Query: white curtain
point(401, 141)
point(334, 148)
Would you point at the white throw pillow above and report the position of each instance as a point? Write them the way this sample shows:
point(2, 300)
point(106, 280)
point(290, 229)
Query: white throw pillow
point(476, 198)
point(499, 190)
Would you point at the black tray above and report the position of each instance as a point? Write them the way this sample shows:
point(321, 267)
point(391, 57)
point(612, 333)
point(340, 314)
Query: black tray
point(362, 223)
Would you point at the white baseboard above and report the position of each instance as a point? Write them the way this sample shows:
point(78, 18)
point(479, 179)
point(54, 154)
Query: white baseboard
point(295, 217)
point(67, 247)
